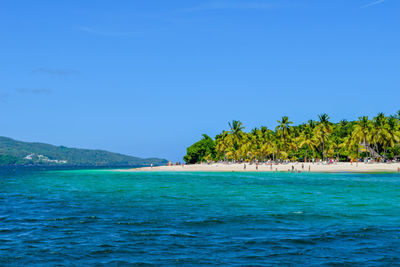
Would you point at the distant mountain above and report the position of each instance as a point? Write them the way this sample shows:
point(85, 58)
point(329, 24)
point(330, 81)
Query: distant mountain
point(14, 152)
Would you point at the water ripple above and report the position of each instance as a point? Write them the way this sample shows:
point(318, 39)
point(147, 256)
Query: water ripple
point(102, 218)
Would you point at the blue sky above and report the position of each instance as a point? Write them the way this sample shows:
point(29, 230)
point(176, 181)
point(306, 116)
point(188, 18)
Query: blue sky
point(147, 78)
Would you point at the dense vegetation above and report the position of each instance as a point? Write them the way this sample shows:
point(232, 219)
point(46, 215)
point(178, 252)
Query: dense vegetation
point(199, 151)
point(376, 138)
point(14, 152)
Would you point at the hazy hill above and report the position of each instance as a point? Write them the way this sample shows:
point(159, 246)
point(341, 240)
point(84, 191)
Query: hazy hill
point(14, 152)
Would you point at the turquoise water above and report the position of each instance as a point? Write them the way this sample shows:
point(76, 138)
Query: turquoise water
point(110, 218)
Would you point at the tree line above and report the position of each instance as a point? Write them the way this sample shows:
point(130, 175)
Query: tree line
point(377, 138)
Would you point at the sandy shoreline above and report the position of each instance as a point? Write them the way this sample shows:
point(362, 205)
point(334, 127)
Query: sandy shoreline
point(298, 167)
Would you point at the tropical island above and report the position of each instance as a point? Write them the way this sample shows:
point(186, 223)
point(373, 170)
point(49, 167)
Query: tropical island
point(365, 145)
point(18, 153)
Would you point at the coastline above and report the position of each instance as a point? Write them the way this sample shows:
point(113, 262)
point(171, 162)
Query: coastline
point(297, 167)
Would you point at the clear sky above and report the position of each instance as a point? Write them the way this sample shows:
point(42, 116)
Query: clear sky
point(147, 78)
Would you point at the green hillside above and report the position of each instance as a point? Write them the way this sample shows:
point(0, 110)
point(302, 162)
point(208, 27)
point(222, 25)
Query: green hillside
point(14, 152)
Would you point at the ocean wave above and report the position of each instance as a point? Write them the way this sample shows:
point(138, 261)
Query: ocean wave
point(181, 234)
point(204, 222)
point(72, 218)
point(227, 219)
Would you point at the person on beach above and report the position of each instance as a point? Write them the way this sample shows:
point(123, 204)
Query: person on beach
point(244, 166)
point(309, 168)
point(302, 166)
point(257, 166)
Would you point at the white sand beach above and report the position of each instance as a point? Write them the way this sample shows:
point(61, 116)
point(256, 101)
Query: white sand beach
point(297, 167)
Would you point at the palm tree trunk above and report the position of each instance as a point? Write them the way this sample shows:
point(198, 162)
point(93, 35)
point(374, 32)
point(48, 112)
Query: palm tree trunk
point(323, 147)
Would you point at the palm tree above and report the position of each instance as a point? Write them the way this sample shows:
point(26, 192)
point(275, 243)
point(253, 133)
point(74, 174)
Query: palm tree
point(236, 127)
point(312, 124)
point(236, 131)
point(392, 135)
point(336, 144)
point(362, 134)
point(252, 144)
point(382, 134)
point(284, 130)
point(323, 130)
point(307, 138)
point(267, 143)
point(378, 131)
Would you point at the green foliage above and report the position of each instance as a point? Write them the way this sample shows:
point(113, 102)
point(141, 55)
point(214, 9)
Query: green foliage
point(23, 153)
point(377, 138)
point(201, 151)
point(8, 160)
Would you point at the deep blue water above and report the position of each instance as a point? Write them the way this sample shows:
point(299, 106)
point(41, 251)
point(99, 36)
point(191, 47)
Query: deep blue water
point(112, 218)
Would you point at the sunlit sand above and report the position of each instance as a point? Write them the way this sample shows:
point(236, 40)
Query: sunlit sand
point(285, 167)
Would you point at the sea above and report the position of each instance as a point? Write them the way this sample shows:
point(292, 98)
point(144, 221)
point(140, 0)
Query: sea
point(111, 218)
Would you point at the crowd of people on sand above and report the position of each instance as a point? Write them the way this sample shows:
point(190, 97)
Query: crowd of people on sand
point(293, 169)
point(170, 163)
point(292, 166)
point(313, 161)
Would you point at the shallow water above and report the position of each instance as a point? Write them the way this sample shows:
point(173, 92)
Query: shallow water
point(113, 218)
